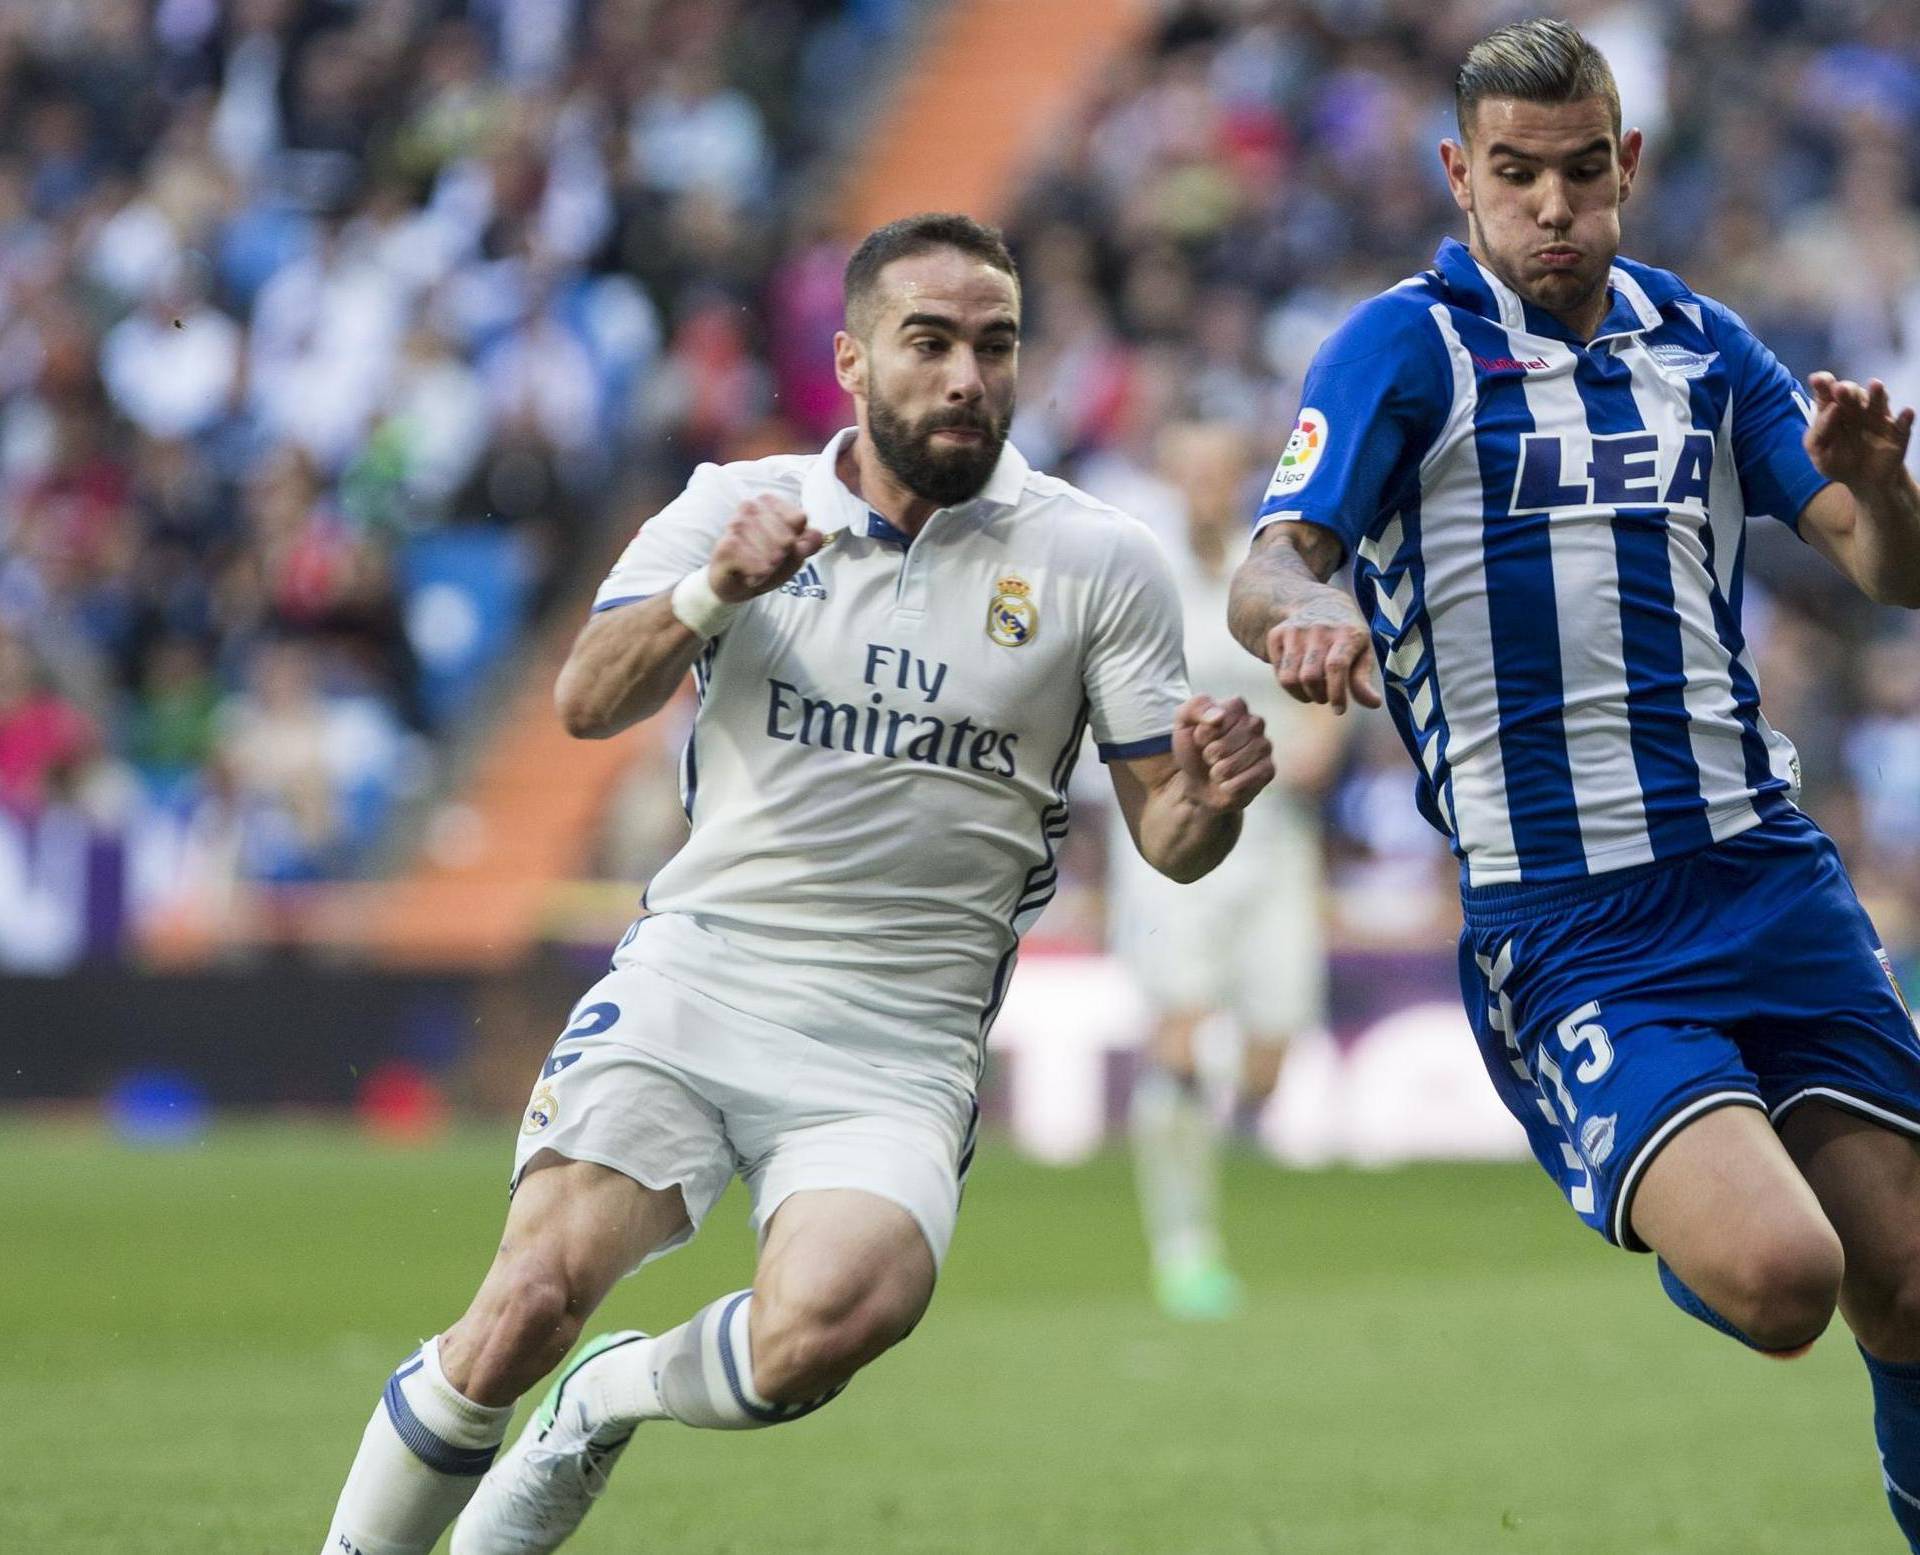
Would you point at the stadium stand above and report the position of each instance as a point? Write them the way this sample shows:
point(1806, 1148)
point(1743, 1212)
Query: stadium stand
point(341, 340)
point(331, 334)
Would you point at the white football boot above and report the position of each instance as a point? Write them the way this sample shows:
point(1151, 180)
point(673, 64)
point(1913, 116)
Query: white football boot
point(538, 1491)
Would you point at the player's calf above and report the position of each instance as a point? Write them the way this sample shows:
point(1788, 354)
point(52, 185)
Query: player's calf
point(572, 1230)
point(521, 1325)
point(814, 1328)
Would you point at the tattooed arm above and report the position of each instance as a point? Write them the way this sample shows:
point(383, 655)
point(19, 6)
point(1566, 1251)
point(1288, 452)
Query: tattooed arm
point(1283, 610)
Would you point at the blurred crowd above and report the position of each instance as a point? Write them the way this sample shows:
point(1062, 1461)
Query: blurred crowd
point(1260, 166)
point(335, 338)
point(331, 334)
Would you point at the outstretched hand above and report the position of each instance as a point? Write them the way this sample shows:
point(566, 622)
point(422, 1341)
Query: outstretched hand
point(1322, 653)
point(1856, 439)
point(1222, 752)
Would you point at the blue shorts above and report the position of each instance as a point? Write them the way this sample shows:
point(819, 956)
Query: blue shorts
point(1613, 1011)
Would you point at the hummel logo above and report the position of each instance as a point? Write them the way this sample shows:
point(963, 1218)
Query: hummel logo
point(805, 584)
point(1509, 364)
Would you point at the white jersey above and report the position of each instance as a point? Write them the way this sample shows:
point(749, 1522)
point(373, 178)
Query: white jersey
point(876, 778)
point(1246, 936)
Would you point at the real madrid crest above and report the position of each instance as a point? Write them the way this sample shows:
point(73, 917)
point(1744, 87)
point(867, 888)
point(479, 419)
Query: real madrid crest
point(1012, 618)
point(540, 1111)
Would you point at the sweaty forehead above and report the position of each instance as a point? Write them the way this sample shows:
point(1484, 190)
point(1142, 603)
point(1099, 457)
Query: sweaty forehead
point(948, 283)
point(1544, 130)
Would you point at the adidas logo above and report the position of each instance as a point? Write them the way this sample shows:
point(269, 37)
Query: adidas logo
point(805, 584)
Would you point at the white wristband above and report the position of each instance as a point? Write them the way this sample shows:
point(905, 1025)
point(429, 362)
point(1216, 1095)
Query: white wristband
point(698, 608)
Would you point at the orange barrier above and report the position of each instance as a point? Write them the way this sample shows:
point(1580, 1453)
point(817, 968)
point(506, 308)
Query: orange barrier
point(993, 80)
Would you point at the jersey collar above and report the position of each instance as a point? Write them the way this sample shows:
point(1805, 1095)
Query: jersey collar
point(830, 507)
point(1637, 294)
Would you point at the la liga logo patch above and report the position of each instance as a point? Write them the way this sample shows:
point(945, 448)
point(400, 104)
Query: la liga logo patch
point(1302, 455)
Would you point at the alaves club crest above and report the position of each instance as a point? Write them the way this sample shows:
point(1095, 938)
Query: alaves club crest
point(1012, 619)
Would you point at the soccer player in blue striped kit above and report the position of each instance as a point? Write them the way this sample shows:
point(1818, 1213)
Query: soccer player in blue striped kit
point(1540, 458)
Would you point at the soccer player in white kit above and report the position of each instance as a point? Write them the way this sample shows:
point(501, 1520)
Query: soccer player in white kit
point(1245, 943)
point(898, 644)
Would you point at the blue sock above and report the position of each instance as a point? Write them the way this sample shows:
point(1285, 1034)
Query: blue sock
point(1896, 1426)
point(1683, 1296)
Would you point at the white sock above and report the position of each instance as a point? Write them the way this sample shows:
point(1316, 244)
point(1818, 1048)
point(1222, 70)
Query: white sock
point(700, 1374)
point(420, 1460)
point(1176, 1148)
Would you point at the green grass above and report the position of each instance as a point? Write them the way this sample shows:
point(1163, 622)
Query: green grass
point(1435, 1362)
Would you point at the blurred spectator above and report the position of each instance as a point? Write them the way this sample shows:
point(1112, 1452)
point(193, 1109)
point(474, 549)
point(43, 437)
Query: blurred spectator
point(45, 740)
point(1259, 166)
point(329, 328)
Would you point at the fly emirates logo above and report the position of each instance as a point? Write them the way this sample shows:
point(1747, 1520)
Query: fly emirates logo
point(877, 726)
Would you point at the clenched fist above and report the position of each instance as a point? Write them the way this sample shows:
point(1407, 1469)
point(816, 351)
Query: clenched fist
point(765, 543)
point(1222, 752)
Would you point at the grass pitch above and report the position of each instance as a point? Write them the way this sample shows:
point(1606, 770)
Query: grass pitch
point(1435, 1361)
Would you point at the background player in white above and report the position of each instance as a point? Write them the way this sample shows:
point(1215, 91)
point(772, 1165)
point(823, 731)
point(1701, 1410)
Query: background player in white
point(898, 644)
point(1541, 457)
point(1243, 945)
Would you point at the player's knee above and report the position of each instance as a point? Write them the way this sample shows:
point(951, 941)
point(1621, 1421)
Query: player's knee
point(810, 1340)
point(1260, 1073)
point(1884, 1309)
point(1783, 1291)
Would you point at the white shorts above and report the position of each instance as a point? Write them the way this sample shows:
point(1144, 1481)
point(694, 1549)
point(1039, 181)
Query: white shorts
point(658, 1081)
point(1245, 938)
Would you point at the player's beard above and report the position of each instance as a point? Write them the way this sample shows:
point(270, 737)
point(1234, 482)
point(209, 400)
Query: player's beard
point(943, 475)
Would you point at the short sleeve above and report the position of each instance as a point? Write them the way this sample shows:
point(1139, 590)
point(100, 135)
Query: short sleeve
point(1136, 663)
point(677, 539)
point(1771, 413)
point(1376, 396)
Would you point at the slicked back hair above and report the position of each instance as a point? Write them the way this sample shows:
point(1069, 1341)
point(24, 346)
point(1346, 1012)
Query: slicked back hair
point(1537, 61)
point(907, 237)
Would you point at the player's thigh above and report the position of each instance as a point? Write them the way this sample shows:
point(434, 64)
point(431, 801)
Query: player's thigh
point(583, 1225)
point(1279, 955)
point(573, 1229)
point(1171, 1039)
point(1175, 942)
point(1867, 1178)
point(616, 1091)
point(1727, 1207)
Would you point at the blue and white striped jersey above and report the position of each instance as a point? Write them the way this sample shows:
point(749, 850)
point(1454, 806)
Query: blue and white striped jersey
point(1548, 538)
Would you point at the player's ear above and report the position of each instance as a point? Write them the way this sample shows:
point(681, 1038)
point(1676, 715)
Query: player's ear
point(1630, 144)
point(850, 363)
point(1453, 157)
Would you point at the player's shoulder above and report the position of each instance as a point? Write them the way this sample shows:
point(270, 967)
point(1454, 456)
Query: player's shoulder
point(776, 475)
point(1078, 522)
point(1670, 294)
point(1396, 322)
